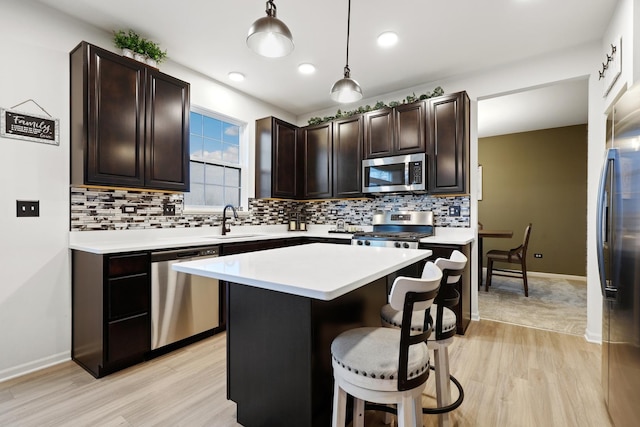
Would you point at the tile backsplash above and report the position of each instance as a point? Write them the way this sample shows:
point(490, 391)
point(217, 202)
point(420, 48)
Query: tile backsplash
point(107, 209)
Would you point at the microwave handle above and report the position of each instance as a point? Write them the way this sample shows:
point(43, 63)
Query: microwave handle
point(406, 172)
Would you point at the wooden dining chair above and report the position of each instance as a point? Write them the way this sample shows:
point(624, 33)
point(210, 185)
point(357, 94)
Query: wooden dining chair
point(512, 256)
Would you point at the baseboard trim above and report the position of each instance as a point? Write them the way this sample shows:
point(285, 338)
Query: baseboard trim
point(36, 365)
point(593, 337)
point(549, 275)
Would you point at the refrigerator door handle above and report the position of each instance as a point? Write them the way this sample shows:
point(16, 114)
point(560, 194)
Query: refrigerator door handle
point(603, 222)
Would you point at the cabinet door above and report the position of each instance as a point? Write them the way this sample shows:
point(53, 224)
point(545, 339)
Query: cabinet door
point(347, 157)
point(378, 133)
point(128, 339)
point(409, 122)
point(284, 162)
point(317, 142)
point(167, 133)
point(447, 121)
point(127, 296)
point(115, 140)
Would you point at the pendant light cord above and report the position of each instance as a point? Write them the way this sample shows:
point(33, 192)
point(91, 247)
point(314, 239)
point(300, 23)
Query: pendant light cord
point(271, 9)
point(346, 68)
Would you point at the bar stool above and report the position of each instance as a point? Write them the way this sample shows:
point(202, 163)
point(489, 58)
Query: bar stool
point(445, 329)
point(384, 365)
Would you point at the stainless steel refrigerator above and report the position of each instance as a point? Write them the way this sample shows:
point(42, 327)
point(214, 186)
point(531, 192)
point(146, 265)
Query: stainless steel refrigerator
point(618, 236)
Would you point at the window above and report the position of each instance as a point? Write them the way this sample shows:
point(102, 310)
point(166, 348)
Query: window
point(216, 163)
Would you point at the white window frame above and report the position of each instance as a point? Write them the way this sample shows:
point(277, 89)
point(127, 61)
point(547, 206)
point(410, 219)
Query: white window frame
point(243, 157)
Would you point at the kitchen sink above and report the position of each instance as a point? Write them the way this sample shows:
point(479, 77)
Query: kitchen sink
point(234, 236)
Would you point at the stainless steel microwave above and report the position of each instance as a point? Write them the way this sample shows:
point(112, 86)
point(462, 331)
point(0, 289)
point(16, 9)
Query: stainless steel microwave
point(394, 174)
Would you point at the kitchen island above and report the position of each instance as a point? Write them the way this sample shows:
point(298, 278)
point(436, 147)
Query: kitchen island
point(285, 306)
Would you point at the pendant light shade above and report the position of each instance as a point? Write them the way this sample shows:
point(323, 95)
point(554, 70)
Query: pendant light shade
point(269, 36)
point(346, 89)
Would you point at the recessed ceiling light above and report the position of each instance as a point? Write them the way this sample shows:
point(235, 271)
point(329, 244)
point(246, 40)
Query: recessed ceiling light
point(387, 39)
point(306, 68)
point(236, 76)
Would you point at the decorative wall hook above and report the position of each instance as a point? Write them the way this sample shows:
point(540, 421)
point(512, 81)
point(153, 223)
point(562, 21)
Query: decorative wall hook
point(605, 65)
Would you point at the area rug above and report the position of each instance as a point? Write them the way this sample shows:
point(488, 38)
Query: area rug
point(554, 303)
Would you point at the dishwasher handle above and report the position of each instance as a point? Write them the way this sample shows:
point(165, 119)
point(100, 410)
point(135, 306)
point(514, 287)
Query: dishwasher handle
point(178, 254)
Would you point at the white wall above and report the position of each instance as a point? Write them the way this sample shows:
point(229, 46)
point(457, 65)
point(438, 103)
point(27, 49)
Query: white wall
point(35, 289)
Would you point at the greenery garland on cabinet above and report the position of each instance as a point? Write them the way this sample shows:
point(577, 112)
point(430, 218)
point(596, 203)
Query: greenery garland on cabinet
point(360, 110)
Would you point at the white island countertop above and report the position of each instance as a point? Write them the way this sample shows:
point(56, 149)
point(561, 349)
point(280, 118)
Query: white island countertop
point(321, 271)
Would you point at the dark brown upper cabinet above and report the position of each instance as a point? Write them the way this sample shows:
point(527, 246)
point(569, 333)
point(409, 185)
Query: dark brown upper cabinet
point(347, 157)
point(395, 131)
point(317, 149)
point(448, 143)
point(129, 123)
point(332, 159)
point(276, 159)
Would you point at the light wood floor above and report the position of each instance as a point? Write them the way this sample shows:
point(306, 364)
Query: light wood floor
point(512, 376)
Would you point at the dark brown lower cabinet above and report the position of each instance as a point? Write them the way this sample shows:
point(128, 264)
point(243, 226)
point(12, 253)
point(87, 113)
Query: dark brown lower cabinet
point(279, 351)
point(463, 309)
point(111, 302)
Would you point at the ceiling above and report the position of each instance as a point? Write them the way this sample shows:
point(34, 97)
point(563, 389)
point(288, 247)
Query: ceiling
point(437, 40)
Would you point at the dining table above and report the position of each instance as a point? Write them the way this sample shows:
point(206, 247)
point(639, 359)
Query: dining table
point(488, 233)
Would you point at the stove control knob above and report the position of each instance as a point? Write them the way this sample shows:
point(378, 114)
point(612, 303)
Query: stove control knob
point(397, 244)
point(359, 242)
point(405, 245)
point(367, 243)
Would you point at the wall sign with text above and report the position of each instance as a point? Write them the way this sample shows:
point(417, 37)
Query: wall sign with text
point(29, 127)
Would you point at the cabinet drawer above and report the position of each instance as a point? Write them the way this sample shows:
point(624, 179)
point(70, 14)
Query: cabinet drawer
point(128, 264)
point(128, 296)
point(128, 337)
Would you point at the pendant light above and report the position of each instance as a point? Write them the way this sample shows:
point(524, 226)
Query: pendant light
point(269, 36)
point(346, 89)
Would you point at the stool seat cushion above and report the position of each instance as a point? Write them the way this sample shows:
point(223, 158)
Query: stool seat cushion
point(393, 318)
point(368, 357)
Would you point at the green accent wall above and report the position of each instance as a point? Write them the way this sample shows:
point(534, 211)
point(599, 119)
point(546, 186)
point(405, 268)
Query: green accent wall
point(538, 177)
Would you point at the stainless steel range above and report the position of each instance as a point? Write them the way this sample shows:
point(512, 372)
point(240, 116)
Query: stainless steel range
point(399, 229)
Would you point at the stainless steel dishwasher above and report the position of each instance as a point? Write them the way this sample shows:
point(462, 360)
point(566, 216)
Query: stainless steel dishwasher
point(182, 305)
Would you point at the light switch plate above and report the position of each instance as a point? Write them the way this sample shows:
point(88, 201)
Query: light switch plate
point(129, 209)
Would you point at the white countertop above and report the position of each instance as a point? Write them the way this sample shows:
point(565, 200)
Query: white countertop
point(319, 270)
point(106, 242)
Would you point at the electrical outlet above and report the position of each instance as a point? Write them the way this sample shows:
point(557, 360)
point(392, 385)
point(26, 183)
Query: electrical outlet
point(168, 210)
point(537, 255)
point(27, 208)
point(454, 210)
point(281, 212)
point(129, 209)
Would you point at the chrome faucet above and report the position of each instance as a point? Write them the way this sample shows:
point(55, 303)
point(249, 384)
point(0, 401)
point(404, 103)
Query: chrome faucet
point(224, 218)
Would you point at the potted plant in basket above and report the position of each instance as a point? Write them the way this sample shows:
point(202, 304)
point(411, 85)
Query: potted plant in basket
point(128, 41)
point(155, 55)
point(139, 48)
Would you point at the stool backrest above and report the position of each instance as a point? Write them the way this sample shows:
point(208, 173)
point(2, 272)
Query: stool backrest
point(456, 262)
point(430, 280)
point(410, 294)
point(448, 295)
